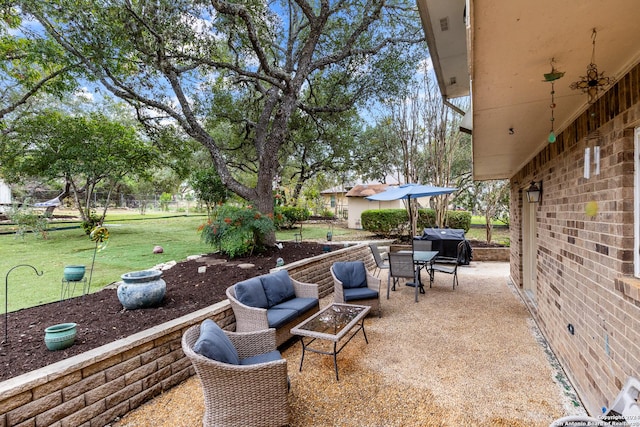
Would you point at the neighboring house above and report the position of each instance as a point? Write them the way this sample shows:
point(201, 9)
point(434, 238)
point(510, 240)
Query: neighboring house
point(5, 196)
point(346, 201)
point(334, 199)
point(358, 203)
point(574, 255)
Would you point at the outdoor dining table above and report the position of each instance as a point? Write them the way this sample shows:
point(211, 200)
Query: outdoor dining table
point(421, 259)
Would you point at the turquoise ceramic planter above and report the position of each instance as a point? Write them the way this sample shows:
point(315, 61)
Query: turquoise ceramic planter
point(73, 273)
point(141, 289)
point(60, 336)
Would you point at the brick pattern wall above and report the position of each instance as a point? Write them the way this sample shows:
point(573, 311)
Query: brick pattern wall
point(585, 264)
point(93, 388)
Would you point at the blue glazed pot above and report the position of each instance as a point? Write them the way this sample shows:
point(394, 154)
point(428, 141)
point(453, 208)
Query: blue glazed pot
point(141, 289)
point(60, 336)
point(73, 273)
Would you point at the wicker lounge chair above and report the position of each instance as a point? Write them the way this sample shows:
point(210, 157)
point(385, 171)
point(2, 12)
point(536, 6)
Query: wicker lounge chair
point(241, 395)
point(347, 293)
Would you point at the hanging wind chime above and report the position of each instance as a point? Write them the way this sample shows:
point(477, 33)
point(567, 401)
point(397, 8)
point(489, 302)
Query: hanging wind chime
point(594, 81)
point(552, 77)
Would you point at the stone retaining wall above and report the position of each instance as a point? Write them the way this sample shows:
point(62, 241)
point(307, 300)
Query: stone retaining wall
point(491, 254)
point(93, 388)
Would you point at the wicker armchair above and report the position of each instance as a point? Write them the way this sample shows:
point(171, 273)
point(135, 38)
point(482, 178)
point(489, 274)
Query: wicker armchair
point(373, 284)
point(255, 319)
point(241, 395)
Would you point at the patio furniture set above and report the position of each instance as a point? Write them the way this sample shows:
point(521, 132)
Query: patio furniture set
point(243, 375)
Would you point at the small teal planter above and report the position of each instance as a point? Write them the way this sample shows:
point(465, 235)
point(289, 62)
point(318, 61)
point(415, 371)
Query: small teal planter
point(60, 336)
point(141, 289)
point(74, 273)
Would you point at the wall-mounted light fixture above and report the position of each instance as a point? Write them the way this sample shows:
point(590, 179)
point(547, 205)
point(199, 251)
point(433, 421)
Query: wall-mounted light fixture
point(534, 192)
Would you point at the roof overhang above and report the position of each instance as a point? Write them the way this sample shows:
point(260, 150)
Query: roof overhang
point(509, 46)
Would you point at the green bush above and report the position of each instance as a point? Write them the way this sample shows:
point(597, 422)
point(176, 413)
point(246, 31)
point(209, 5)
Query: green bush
point(165, 199)
point(237, 231)
point(92, 222)
point(385, 222)
point(327, 213)
point(27, 220)
point(455, 219)
point(288, 216)
point(395, 222)
point(459, 219)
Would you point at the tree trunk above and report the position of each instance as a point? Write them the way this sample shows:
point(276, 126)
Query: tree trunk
point(65, 193)
point(489, 228)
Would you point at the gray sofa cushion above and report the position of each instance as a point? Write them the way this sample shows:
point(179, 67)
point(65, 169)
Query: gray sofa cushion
point(301, 305)
point(214, 344)
point(353, 294)
point(262, 358)
point(277, 287)
point(280, 317)
point(352, 274)
point(250, 292)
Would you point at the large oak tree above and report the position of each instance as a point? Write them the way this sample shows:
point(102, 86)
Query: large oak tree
point(185, 60)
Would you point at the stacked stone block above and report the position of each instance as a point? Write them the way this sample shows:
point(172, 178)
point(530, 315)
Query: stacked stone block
point(94, 388)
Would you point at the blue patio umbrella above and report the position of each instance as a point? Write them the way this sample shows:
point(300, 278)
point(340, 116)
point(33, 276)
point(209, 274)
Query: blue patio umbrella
point(410, 191)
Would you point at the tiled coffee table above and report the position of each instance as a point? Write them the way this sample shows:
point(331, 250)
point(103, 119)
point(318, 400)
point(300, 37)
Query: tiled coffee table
point(333, 323)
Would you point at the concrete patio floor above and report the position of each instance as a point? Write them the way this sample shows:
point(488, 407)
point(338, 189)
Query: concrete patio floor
point(465, 357)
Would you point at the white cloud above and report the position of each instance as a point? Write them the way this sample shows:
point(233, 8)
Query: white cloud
point(84, 94)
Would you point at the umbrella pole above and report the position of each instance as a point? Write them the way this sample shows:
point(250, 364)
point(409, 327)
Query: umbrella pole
point(410, 221)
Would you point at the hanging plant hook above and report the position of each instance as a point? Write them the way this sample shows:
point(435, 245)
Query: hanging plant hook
point(6, 297)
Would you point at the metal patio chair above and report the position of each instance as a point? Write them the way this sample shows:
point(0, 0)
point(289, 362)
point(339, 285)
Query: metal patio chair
point(381, 264)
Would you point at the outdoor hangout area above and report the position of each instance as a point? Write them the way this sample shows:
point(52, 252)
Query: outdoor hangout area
point(465, 356)
point(323, 125)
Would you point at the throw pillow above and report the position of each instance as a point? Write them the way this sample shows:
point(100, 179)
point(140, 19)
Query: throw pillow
point(250, 292)
point(277, 287)
point(214, 344)
point(352, 274)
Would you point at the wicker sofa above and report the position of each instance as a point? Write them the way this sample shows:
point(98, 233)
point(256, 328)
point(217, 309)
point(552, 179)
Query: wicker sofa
point(272, 300)
point(249, 393)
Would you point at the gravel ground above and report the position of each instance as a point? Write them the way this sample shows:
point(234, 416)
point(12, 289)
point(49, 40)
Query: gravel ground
point(469, 357)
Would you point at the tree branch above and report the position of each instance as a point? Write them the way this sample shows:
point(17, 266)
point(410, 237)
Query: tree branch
point(31, 92)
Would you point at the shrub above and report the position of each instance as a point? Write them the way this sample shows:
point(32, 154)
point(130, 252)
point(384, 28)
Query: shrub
point(394, 222)
point(288, 216)
point(237, 231)
point(27, 220)
point(327, 213)
point(385, 222)
point(165, 199)
point(92, 222)
point(455, 219)
point(459, 219)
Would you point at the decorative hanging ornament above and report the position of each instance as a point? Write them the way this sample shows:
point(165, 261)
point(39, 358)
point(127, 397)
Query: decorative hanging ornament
point(594, 81)
point(552, 77)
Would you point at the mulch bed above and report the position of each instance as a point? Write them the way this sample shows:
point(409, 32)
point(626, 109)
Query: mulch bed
point(101, 318)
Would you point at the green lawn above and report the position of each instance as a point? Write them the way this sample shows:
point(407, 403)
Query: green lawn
point(130, 248)
point(499, 235)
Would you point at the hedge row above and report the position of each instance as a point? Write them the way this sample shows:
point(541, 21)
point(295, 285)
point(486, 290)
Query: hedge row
point(393, 222)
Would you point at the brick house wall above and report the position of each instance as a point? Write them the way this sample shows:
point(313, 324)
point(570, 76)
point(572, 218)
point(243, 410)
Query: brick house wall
point(584, 265)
